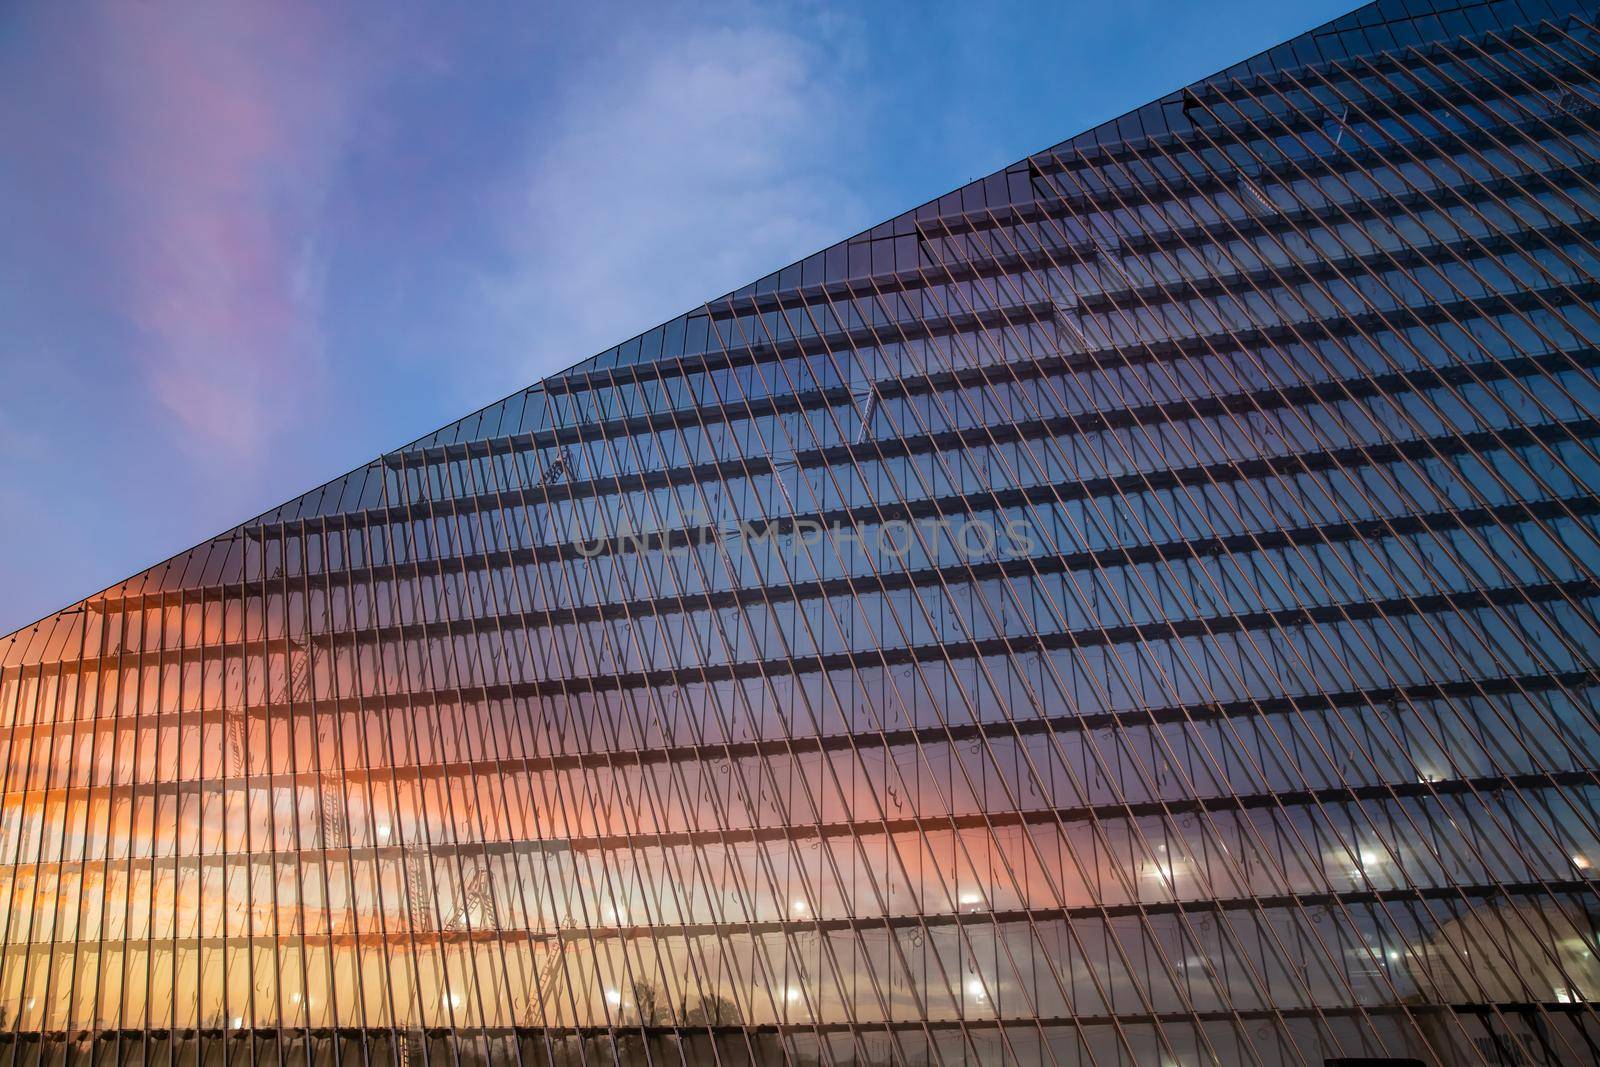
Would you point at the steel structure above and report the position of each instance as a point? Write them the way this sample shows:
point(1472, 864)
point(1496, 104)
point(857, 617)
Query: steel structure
point(1140, 608)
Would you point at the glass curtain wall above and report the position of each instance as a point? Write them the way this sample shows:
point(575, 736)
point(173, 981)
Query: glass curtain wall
point(1140, 608)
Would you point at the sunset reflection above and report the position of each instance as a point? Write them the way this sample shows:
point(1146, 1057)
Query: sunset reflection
point(1141, 609)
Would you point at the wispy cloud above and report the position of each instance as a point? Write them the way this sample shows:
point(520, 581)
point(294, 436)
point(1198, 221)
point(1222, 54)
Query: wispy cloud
point(682, 165)
point(224, 126)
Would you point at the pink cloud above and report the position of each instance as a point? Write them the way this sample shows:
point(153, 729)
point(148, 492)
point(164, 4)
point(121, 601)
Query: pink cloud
point(225, 127)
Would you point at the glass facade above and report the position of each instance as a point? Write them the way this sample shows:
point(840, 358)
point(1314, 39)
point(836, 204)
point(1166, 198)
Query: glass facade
point(1140, 608)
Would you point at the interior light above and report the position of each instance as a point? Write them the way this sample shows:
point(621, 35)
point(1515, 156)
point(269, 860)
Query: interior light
point(975, 988)
point(799, 907)
point(613, 997)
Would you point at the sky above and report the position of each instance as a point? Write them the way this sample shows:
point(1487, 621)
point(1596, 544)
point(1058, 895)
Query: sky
point(246, 247)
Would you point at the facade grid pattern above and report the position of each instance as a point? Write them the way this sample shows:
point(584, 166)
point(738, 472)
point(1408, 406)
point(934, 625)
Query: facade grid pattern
point(1141, 608)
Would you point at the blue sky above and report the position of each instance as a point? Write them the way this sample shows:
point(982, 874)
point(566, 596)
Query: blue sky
point(247, 247)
